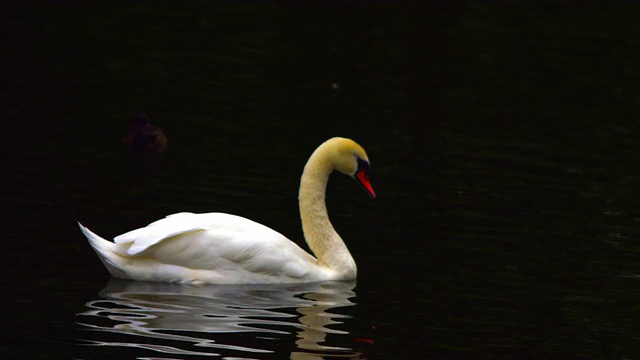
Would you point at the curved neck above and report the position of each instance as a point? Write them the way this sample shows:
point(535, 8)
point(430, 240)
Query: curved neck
point(320, 235)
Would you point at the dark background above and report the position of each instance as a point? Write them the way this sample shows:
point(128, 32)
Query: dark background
point(503, 138)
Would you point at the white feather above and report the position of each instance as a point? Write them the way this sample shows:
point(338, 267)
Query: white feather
point(206, 248)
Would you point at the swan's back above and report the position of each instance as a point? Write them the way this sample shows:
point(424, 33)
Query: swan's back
point(207, 248)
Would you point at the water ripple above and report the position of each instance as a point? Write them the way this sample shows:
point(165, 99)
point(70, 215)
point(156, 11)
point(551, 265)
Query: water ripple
point(222, 320)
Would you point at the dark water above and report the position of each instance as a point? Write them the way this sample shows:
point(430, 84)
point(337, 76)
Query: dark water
point(503, 140)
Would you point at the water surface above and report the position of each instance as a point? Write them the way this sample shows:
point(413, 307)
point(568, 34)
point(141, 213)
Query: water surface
point(503, 141)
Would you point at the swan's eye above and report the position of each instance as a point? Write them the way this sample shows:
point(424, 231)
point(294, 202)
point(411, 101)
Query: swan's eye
point(362, 176)
point(363, 166)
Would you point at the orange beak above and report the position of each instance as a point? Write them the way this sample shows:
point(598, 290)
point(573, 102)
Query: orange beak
point(362, 176)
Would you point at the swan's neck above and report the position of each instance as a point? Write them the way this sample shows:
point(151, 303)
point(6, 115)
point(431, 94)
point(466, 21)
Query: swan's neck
point(320, 235)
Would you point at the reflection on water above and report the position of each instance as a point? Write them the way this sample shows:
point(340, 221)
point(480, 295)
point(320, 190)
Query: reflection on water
point(232, 319)
point(504, 137)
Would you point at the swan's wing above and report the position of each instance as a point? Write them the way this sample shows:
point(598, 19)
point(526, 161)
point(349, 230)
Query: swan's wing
point(219, 242)
point(143, 238)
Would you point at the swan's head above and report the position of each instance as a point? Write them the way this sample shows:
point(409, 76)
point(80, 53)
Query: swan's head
point(350, 159)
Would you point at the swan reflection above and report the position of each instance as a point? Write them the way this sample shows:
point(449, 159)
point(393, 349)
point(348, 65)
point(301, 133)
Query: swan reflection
point(216, 320)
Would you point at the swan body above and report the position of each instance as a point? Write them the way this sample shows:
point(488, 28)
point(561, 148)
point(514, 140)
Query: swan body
point(219, 248)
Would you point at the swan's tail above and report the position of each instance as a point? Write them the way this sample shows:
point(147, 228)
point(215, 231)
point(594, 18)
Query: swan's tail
point(105, 250)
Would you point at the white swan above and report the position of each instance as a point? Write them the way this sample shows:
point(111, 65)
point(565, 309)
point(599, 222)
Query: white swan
point(218, 248)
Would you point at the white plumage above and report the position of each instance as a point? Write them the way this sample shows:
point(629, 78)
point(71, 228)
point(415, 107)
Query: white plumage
point(223, 248)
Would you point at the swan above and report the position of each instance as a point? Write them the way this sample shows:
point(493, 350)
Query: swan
point(219, 248)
